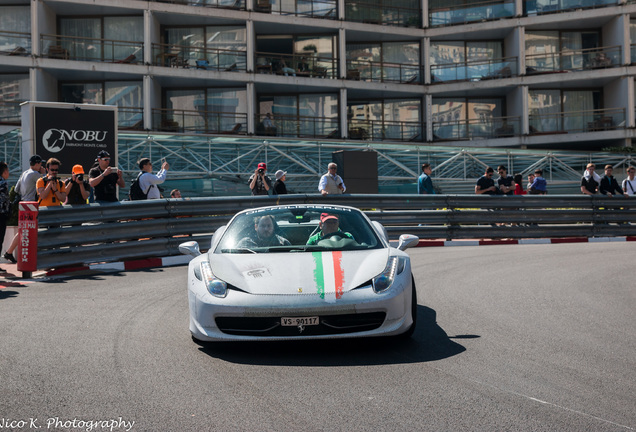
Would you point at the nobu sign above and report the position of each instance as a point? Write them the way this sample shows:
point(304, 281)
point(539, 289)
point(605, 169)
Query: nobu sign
point(74, 136)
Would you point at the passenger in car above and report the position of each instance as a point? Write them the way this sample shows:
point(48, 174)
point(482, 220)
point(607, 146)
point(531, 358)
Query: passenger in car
point(264, 234)
point(329, 226)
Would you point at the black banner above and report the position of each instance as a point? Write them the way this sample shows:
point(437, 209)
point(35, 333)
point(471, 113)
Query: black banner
point(74, 136)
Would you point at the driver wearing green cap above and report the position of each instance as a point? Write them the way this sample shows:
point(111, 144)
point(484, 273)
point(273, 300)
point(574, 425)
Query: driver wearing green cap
point(329, 226)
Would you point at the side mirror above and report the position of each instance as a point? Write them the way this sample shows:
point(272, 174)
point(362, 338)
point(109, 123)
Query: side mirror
point(190, 248)
point(407, 241)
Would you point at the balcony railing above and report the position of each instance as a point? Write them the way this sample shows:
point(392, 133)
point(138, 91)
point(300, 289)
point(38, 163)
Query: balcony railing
point(10, 112)
point(472, 12)
point(475, 129)
point(384, 72)
point(474, 70)
point(532, 7)
point(284, 125)
point(385, 14)
point(91, 49)
point(325, 9)
point(130, 118)
point(201, 58)
point(386, 130)
point(307, 65)
point(222, 4)
point(572, 60)
point(15, 43)
point(194, 121)
point(577, 121)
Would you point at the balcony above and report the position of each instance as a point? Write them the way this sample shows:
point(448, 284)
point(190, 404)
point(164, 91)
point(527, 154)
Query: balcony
point(577, 121)
point(91, 49)
point(471, 12)
point(15, 43)
point(362, 70)
point(298, 126)
point(221, 4)
point(183, 56)
point(323, 9)
point(130, 118)
point(194, 121)
point(475, 70)
point(574, 60)
point(534, 7)
point(475, 129)
point(386, 130)
point(384, 14)
point(296, 65)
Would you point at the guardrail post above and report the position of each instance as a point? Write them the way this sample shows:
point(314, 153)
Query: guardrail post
point(28, 245)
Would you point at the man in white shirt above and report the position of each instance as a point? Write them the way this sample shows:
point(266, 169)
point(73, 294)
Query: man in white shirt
point(331, 183)
point(148, 182)
point(629, 184)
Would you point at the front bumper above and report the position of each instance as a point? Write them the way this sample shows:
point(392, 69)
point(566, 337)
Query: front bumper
point(242, 316)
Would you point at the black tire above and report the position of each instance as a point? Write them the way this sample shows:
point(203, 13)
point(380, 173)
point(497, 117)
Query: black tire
point(407, 334)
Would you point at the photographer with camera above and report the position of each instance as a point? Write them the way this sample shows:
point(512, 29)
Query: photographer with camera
point(77, 189)
point(105, 179)
point(260, 184)
point(50, 187)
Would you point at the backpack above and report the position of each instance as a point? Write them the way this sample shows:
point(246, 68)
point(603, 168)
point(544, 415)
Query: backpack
point(135, 192)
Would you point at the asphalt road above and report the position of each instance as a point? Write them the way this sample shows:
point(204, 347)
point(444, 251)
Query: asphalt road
point(510, 338)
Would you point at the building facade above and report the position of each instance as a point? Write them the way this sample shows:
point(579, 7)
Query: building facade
point(539, 75)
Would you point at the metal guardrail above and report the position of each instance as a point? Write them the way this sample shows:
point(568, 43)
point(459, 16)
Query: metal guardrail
point(73, 235)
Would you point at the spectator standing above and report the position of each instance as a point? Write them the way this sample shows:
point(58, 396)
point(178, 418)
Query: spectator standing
point(148, 182)
point(104, 179)
point(590, 180)
point(259, 182)
point(424, 182)
point(505, 182)
point(331, 183)
point(4, 200)
point(485, 184)
point(609, 186)
point(50, 187)
point(175, 193)
point(518, 179)
point(25, 187)
point(629, 184)
point(279, 186)
point(539, 185)
point(76, 188)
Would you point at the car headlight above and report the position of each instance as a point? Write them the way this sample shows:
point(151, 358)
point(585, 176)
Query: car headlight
point(215, 286)
point(383, 281)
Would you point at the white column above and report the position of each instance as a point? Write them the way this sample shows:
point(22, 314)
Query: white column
point(342, 54)
point(251, 44)
point(251, 108)
point(344, 124)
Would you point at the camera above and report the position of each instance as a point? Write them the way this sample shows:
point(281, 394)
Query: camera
point(261, 171)
point(80, 177)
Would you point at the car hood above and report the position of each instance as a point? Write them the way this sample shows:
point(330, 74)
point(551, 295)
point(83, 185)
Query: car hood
point(323, 273)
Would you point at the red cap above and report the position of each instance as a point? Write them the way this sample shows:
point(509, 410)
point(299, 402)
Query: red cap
point(262, 165)
point(325, 216)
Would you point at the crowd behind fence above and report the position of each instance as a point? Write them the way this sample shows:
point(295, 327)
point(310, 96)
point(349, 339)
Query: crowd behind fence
point(75, 235)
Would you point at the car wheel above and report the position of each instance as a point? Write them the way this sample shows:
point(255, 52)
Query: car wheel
point(407, 334)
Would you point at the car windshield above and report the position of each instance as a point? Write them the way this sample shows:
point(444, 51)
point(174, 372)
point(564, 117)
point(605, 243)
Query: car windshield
point(298, 229)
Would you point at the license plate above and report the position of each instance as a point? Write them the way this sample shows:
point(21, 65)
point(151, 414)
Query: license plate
point(296, 321)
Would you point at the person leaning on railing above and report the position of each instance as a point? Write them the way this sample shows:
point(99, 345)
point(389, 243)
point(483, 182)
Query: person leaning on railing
point(629, 184)
point(609, 186)
point(590, 180)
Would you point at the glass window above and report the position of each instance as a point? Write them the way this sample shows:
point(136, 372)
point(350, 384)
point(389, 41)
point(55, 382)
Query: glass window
point(14, 89)
point(461, 118)
point(15, 19)
point(88, 93)
point(397, 119)
point(556, 110)
point(297, 228)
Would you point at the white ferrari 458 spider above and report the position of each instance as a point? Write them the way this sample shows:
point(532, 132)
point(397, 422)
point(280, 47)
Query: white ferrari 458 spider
point(300, 272)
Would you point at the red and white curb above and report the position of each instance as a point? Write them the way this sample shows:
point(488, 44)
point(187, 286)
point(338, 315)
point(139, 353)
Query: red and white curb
point(125, 265)
point(541, 241)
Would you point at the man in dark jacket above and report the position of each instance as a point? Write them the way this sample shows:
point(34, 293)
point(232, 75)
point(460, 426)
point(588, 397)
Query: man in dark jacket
point(609, 186)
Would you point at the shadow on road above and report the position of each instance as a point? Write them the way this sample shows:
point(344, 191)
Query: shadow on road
point(428, 343)
point(7, 294)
